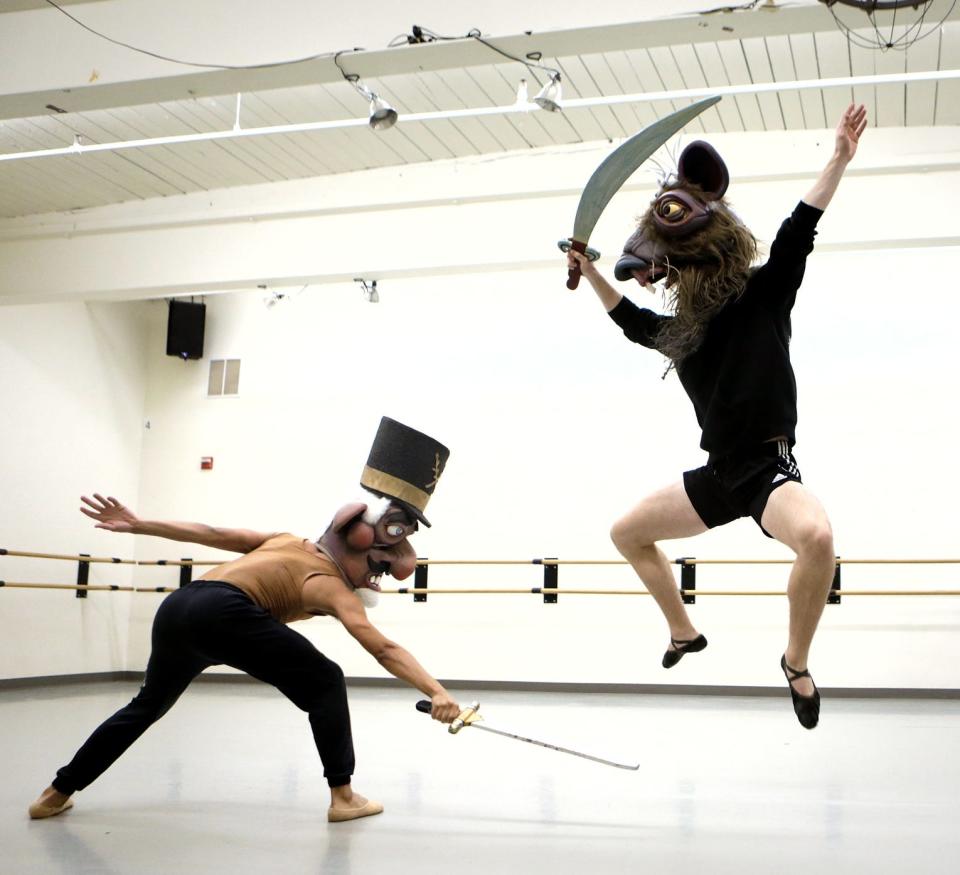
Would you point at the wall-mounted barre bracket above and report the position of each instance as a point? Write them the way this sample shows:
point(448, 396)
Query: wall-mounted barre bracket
point(551, 579)
point(688, 579)
point(83, 577)
point(834, 597)
point(420, 579)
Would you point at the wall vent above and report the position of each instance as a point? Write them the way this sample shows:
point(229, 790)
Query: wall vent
point(224, 377)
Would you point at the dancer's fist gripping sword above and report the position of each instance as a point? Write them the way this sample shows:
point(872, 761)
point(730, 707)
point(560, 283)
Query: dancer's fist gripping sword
point(615, 170)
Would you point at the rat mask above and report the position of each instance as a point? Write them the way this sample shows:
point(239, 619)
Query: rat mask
point(690, 238)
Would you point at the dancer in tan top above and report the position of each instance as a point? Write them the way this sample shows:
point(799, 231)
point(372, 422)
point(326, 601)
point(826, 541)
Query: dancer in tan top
point(237, 613)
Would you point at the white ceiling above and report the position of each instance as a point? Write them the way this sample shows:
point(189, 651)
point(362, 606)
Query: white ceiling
point(751, 46)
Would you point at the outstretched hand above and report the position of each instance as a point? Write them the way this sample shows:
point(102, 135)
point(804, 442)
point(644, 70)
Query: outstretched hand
point(852, 124)
point(109, 513)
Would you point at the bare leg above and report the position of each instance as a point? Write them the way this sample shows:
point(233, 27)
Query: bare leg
point(661, 516)
point(796, 518)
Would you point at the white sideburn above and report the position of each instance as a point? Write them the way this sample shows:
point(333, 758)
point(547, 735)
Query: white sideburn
point(376, 508)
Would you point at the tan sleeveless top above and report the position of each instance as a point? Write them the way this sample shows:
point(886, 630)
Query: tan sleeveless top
point(273, 575)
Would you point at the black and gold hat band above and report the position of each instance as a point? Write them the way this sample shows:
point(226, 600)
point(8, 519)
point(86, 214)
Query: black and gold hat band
point(387, 484)
point(404, 464)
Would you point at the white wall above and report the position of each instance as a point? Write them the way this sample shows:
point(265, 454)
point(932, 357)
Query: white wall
point(556, 425)
point(73, 378)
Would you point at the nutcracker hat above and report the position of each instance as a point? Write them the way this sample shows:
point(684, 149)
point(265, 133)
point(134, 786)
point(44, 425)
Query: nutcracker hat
point(404, 465)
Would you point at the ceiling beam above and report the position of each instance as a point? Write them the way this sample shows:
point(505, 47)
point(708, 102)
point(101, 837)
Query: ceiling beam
point(168, 82)
point(29, 5)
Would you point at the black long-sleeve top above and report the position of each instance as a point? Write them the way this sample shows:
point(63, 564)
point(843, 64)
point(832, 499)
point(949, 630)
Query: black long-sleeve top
point(740, 379)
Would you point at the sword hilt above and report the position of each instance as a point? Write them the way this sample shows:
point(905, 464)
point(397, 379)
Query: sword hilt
point(464, 718)
point(573, 274)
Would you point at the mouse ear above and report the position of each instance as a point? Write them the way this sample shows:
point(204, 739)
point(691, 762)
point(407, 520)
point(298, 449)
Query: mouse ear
point(346, 515)
point(702, 165)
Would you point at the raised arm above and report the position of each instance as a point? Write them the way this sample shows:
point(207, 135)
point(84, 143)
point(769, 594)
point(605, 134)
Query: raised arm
point(113, 516)
point(607, 294)
point(852, 125)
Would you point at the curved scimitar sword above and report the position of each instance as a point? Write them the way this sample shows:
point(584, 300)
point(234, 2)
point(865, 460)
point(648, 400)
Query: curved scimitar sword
point(615, 170)
point(470, 717)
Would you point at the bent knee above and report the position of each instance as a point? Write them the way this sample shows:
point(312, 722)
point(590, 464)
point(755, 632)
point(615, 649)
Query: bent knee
point(319, 687)
point(324, 672)
point(629, 539)
point(620, 534)
point(816, 540)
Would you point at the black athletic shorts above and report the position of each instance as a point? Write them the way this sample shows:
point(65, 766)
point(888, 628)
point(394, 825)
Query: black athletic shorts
point(738, 485)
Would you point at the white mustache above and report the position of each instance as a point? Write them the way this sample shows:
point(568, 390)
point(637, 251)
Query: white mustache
point(369, 597)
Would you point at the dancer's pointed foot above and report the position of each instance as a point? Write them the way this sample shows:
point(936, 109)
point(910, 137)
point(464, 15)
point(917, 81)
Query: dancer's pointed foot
point(678, 648)
point(807, 708)
point(49, 803)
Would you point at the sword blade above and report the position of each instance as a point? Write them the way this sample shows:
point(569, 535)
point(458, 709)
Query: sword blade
point(555, 747)
point(618, 166)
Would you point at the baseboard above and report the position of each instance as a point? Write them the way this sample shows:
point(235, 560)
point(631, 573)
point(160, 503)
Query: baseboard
point(59, 680)
point(517, 686)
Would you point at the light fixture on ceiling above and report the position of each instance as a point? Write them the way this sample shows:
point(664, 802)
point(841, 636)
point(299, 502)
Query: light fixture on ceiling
point(369, 291)
point(382, 115)
point(893, 24)
point(793, 85)
point(548, 97)
point(272, 298)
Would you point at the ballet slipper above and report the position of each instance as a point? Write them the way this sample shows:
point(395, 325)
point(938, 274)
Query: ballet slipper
point(807, 708)
point(39, 810)
point(672, 657)
point(338, 815)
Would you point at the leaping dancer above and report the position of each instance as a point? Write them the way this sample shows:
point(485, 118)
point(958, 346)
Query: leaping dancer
point(728, 336)
point(236, 614)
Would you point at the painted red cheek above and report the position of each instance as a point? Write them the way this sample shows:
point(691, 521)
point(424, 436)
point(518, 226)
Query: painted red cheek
point(360, 536)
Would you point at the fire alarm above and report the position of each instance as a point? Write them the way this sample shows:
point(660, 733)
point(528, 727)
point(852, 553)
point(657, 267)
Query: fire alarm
point(206, 463)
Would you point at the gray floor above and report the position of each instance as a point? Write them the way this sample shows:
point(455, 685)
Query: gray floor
point(228, 782)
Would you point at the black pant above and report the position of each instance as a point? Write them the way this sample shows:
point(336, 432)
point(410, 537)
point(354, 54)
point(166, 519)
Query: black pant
point(210, 623)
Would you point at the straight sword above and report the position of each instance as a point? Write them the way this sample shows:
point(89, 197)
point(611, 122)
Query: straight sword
point(470, 717)
point(615, 170)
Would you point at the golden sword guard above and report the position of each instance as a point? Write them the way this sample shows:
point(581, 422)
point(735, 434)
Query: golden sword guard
point(465, 718)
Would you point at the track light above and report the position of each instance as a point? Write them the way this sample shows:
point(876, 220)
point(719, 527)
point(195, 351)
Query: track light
point(382, 115)
point(369, 291)
point(549, 96)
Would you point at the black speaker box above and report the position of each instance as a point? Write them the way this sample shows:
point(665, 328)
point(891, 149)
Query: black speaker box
point(185, 322)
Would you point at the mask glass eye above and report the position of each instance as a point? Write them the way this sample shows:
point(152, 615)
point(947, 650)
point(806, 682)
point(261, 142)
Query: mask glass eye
point(671, 210)
point(395, 530)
